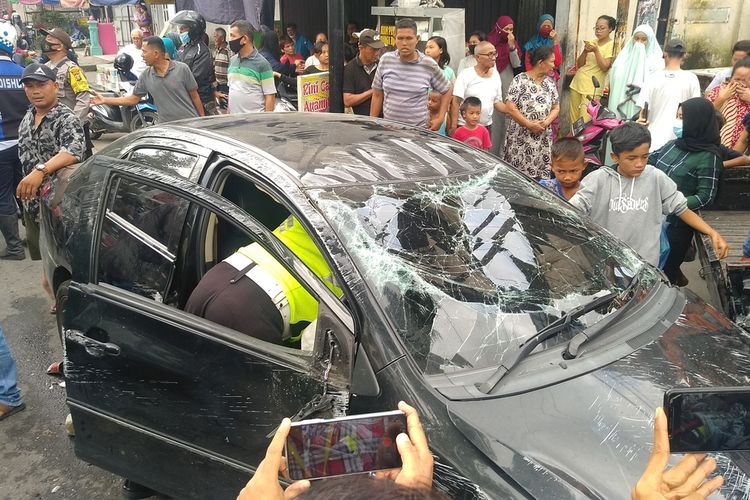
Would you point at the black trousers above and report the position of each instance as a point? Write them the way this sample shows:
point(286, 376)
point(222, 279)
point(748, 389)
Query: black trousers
point(680, 236)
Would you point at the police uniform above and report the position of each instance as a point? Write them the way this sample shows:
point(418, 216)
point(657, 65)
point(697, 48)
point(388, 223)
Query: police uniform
point(251, 292)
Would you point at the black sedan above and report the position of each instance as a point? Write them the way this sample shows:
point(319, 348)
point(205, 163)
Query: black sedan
point(534, 344)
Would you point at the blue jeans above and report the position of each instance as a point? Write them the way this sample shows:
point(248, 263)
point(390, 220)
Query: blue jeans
point(746, 246)
point(9, 393)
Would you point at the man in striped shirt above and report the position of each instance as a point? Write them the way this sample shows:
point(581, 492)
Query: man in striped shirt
point(220, 56)
point(404, 78)
point(250, 77)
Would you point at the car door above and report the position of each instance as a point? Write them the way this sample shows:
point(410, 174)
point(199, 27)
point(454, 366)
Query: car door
point(162, 397)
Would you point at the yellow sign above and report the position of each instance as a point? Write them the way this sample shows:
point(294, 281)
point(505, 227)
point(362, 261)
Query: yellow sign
point(388, 35)
point(313, 92)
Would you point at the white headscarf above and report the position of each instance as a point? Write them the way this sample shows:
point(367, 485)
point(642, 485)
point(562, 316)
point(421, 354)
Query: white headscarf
point(634, 64)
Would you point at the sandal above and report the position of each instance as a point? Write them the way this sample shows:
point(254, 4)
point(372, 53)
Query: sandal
point(7, 411)
point(55, 369)
point(53, 309)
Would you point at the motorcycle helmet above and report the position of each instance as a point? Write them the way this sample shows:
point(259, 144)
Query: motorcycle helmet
point(8, 37)
point(194, 21)
point(123, 63)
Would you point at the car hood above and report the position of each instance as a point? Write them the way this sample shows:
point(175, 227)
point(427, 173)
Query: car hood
point(592, 435)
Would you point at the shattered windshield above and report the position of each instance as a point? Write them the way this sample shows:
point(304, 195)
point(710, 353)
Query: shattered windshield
point(468, 267)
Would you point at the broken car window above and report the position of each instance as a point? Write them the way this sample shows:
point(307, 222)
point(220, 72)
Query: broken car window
point(468, 267)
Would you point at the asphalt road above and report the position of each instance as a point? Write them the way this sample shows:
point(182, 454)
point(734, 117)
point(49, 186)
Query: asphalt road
point(36, 455)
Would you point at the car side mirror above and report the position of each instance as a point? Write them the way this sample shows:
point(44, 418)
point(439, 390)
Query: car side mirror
point(364, 381)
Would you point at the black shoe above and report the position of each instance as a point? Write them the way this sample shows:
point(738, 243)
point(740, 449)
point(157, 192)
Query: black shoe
point(134, 490)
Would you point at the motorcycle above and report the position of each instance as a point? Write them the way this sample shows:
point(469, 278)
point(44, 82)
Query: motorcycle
point(119, 119)
point(593, 133)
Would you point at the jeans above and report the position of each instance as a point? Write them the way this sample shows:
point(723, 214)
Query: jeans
point(9, 393)
point(746, 246)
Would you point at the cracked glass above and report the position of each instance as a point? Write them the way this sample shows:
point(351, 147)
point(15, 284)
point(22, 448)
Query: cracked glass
point(467, 267)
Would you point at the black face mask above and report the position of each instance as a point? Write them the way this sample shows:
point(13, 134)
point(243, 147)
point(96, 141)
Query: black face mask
point(47, 48)
point(235, 45)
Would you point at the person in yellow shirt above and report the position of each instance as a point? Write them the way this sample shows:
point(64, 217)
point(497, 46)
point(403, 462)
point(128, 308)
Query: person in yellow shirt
point(595, 60)
point(251, 292)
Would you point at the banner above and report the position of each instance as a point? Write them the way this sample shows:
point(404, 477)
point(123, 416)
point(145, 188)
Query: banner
point(313, 92)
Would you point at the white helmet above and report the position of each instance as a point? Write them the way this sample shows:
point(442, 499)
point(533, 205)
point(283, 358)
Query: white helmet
point(8, 37)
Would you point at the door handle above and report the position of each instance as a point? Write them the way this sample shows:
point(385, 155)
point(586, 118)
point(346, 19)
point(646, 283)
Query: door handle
point(93, 347)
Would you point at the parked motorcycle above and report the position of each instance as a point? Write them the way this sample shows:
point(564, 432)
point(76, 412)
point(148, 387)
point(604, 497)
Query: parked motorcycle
point(593, 133)
point(118, 119)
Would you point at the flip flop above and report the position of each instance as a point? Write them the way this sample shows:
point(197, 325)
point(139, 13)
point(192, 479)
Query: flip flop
point(7, 411)
point(53, 309)
point(55, 369)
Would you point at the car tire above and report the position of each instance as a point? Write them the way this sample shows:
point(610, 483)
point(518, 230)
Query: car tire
point(145, 119)
point(61, 301)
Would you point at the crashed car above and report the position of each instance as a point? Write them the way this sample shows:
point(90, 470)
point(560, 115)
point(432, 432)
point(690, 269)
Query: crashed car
point(534, 344)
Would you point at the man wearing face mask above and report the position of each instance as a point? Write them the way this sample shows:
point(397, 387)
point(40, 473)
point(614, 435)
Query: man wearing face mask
point(73, 86)
point(196, 55)
point(251, 85)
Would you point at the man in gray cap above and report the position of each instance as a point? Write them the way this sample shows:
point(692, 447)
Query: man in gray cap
point(360, 71)
point(74, 89)
point(50, 137)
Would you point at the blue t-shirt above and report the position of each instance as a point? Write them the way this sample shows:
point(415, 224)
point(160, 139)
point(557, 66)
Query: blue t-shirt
point(553, 185)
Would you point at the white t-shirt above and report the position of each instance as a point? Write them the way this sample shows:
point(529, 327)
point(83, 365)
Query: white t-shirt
point(311, 61)
point(139, 65)
point(489, 90)
point(664, 91)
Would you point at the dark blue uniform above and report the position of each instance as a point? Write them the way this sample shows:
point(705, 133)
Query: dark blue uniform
point(13, 106)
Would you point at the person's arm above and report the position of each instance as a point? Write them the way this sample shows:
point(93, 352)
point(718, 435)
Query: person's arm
point(581, 61)
point(527, 61)
point(445, 101)
point(351, 100)
point(517, 116)
point(553, 114)
point(130, 100)
point(743, 143)
point(740, 161)
point(29, 185)
point(693, 220)
point(515, 57)
point(708, 184)
point(197, 102)
point(486, 140)
point(604, 61)
point(270, 102)
point(721, 96)
point(556, 48)
point(376, 105)
point(455, 105)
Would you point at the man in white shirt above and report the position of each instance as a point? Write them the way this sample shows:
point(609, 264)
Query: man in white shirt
point(483, 82)
point(135, 51)
point(664, 91)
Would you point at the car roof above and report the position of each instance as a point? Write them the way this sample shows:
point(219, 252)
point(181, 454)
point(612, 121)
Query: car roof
point(328, 149)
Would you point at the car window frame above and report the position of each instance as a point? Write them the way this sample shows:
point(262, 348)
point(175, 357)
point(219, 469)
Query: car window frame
point(244, 221)
point(170, 144)
point(219, 166)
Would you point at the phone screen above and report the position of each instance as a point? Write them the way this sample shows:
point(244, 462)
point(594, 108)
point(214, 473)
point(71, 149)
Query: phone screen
point(701, 420)
point(350, 445)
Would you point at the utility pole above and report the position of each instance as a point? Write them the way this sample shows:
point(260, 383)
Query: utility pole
point(336, 32)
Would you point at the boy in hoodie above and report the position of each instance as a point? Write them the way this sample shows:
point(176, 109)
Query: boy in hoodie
point(631, 199)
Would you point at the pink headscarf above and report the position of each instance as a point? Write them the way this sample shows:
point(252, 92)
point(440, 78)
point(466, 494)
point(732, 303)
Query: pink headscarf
point(499, 39)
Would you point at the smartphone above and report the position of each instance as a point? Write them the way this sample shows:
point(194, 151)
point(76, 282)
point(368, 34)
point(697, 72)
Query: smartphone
point(347, 445)
point(645, 111)
point(708, 419)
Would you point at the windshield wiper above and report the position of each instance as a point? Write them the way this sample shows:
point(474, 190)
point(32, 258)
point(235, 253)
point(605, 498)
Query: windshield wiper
point(557, 326)
point(573, 348)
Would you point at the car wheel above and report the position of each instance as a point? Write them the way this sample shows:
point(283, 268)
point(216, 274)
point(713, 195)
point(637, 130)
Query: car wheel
point(144, 119)
point(95, 134)
point(61, 301)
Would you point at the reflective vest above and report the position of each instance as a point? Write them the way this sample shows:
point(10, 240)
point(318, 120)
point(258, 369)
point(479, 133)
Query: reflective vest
point(299, 304)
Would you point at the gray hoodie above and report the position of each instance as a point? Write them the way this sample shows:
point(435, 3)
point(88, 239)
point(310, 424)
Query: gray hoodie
point(631, 208)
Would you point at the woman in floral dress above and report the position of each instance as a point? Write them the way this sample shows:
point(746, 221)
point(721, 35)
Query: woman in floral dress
point(533, 104)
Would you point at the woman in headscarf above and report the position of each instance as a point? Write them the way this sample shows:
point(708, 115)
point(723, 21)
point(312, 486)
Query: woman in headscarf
point(507, 58)
point(170, 51)
point(545, 36)
point(693, 162)
point(640, 57)
point(732, 99)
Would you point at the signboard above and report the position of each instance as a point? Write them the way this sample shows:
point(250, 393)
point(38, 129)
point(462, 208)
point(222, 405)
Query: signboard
point(388, 35)
point(313, 92)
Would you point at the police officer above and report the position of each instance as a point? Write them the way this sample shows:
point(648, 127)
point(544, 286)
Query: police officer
point(13, 105)
point(251, 292)
point(194, 52)
point(74, 88)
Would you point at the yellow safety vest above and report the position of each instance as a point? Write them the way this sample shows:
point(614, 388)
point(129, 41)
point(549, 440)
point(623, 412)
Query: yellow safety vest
point(302, 305)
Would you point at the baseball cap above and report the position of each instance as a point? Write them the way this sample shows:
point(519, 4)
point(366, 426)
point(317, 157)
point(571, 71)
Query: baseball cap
point(675, 45)
point(38, 72)
point(371, 38)
point(59, 34)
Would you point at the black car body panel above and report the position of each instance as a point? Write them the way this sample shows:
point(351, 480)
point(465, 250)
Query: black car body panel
point(151, 384)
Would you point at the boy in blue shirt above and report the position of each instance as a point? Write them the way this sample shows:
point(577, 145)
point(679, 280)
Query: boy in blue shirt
point(567, 166)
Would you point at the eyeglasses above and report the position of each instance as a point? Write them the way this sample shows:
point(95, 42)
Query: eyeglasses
point(491, 55)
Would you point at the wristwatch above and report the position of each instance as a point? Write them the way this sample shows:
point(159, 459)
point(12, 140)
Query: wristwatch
point(41, 167)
